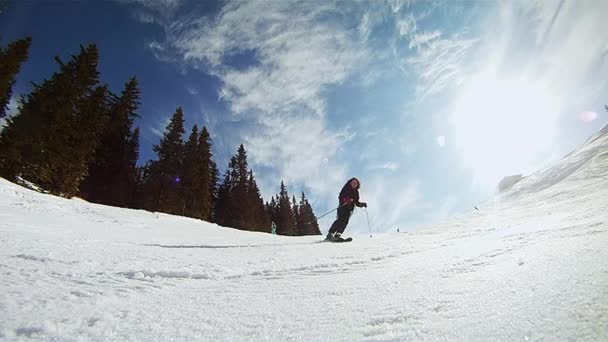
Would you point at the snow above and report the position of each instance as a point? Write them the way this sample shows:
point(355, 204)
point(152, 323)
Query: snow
point(529, 266)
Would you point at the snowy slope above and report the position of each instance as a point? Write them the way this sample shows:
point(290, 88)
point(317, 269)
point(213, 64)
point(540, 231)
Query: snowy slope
point(529, 266)
point(589, 158)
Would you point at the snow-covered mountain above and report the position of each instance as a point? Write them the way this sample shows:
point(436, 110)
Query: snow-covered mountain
point(588, 161)
point(530, 265)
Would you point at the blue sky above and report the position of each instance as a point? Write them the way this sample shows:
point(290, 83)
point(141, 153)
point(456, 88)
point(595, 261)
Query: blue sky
point(428, 103)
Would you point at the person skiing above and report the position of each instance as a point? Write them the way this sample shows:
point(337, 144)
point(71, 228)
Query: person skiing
point(348, 199)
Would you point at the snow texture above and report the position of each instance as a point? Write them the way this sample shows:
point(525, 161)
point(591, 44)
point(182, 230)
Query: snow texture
point(531, 265)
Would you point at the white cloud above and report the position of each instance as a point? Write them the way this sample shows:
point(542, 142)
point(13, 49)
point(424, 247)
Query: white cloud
point(441, 141)
point(406, 25)
point(390, 166)
point(438, 63)
point(378, 12)
point(159, 6)
point(192, 90)
point(435, 58)
point(159, 129)
point(300, 150)
point(157, 132)
point(419, 39)
point(298, 55)
point(365, 27)
point(145, 17)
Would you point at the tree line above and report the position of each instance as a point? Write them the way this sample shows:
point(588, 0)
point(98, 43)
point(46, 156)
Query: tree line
point(72, 136)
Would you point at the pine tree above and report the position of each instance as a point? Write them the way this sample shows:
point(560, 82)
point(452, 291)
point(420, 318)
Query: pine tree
point(132, 171)
point(215, 177)
point(312, 220)
point(206, 177)
point(240, 215)
point(11, 59)
point(146, 188)
point(268, 211)
point(307, 224)
point(296, 215)
point(239, 203)
point(166, 171)
point(272, 210)
point(286, 224)
point(111, 174)
point(258, 218)
point(225, 203)
point(190, 175)
point(53, 137)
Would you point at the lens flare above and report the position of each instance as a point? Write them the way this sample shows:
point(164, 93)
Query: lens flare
point(587, 116)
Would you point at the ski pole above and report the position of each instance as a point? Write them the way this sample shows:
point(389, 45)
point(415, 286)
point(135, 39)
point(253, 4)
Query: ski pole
point(370, 227)
point(327, 213)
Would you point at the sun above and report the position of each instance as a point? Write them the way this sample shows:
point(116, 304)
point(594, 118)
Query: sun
point(501, 127)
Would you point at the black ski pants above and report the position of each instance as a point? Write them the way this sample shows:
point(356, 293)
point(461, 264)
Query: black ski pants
point(341, 222)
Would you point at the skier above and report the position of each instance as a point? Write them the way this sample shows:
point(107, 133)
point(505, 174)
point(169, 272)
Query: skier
point(348, 199)
point(274, 228)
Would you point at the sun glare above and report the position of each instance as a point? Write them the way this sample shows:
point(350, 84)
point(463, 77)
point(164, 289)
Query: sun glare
point(501, 126)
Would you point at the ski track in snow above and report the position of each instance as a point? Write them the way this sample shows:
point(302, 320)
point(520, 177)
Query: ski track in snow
point(529, 266)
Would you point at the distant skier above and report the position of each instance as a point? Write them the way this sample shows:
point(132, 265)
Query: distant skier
point(348, 199)
point(274, 228)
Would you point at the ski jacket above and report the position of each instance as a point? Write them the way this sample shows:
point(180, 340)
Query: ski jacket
point(349, 195)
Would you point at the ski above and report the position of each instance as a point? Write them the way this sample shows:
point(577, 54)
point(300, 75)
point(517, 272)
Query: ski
point(341, 240)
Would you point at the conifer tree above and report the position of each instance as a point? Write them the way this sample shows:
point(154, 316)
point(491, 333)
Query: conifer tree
point(286, 224)
point(296, 215)
point(308, 224)
point(240, 215)
point(272, 210)
point(268, 210)
point(111, 174)
point(206, 177)
point(190, 176)
point(224, 204)
point(258, 218)
point(11, 60)
point(53, 137)
point(166, 171)
point(147, 188)
point(215, 176)
point(239, 203)
point(132, 172)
